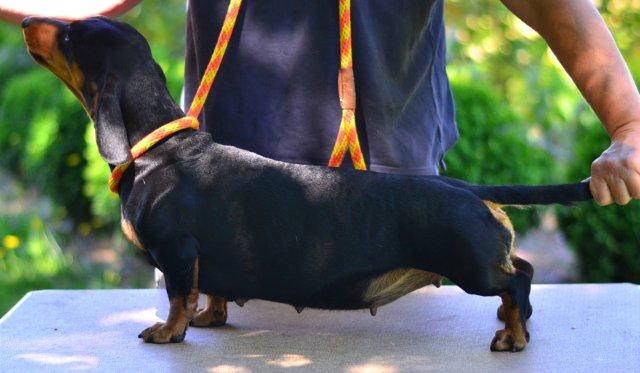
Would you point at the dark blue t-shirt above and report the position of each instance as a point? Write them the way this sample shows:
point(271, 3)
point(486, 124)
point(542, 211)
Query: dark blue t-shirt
point(276, 92)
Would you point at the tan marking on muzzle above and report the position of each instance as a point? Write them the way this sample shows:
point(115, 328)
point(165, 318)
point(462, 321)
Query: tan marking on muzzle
point(42, 44)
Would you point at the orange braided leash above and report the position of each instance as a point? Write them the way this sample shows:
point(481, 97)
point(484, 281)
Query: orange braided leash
point(147, 143)
point(216, 59)
point(347, 134)
point(189, 121)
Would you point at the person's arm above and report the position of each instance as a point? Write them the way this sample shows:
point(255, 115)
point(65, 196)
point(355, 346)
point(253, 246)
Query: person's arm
point(16, 10)
point(577, 34)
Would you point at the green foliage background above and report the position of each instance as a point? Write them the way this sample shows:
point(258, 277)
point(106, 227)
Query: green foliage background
point(490, 47)
point(496, 146)
point(521, 121)
point(607, 239)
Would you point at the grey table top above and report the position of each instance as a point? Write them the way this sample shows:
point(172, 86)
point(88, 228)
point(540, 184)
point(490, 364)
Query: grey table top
point(573, 328)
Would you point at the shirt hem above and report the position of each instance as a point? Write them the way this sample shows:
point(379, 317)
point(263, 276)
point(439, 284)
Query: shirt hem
point(371, 167)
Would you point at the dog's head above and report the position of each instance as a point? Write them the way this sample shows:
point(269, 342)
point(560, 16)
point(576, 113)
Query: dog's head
point(100, 60)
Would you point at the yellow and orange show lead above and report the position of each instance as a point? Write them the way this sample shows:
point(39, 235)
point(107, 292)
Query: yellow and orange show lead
point(347, 138)
point(190, 121)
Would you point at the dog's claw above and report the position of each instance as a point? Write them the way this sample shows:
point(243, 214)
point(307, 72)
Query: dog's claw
point(240, 301)
point(373, 310)
point(299, 309)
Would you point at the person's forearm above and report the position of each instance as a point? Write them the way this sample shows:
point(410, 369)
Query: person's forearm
point(16, 10)
point(578, 36)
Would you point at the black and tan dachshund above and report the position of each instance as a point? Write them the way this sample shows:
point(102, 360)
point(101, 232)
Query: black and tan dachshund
point(234, 225)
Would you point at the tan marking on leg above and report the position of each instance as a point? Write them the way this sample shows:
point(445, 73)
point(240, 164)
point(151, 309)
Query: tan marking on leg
point(192, 298)
point(214, 313)
point(181, 310)
point(394, 284)
point(130, 233)
point(524, 266)
point(513, 337)
point(174, 329)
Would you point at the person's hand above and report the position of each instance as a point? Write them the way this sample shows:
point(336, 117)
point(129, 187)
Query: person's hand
point(615, 175)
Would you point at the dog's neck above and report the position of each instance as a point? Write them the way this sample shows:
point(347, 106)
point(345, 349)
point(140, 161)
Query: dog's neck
point(147, 106)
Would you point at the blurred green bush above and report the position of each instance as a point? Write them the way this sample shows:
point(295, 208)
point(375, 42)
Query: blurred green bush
point(607, 239)
point(40, 127)
point(30, 258)
point(496, 146)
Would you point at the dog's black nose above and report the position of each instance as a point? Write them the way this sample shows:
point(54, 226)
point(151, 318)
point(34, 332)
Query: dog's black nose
point(26, 22)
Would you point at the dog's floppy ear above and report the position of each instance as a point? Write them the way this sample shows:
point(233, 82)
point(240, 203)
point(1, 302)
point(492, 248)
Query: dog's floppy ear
point(111, 133)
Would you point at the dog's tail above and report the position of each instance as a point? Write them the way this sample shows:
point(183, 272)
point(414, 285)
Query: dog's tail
point(527, 195)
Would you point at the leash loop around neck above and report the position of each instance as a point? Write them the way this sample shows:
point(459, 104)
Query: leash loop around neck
point(190, 121)
point(147, 143)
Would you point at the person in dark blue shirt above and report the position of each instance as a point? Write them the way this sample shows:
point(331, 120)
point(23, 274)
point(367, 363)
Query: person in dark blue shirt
point(276, 93)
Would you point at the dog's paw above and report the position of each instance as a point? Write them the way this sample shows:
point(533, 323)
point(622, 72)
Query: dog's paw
point(162, 333)
point(506, 340)
point(206, 318)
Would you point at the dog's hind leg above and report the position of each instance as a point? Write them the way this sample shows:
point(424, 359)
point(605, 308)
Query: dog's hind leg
point(213, 314)
point(525, 266)
point(517, 262)
point(514, 289)
point(515, 307)
point(486, 265)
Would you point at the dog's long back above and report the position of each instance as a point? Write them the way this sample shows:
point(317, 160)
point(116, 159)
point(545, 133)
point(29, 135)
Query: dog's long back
point(527, 195)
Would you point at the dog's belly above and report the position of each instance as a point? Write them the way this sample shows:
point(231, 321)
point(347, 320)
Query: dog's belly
point(373, 291)
point(359, 292)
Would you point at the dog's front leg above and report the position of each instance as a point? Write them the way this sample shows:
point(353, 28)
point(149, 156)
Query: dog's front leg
point(182, 308)
point(213, 314)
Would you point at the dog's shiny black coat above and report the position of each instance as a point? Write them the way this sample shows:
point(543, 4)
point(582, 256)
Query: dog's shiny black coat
point(304, 235)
